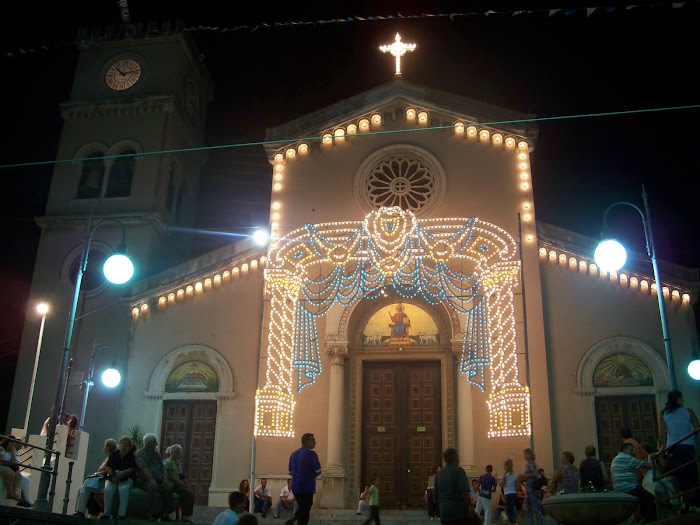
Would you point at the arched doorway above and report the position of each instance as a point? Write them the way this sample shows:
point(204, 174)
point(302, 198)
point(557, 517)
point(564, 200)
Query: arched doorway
point(191, 381)
point(627, 381)
point(401, 370)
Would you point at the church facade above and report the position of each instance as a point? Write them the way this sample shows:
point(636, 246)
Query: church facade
point(408, 300)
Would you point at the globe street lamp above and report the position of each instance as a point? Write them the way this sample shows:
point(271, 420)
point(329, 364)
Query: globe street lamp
point(42, 309)
point(117, 269)
point(610, 255)
point(110, 377)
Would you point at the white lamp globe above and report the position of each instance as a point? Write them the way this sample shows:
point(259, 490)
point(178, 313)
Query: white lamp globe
point(260, 237)
point(694, 369)
point(42, 308)
point(111, 377)
point(118, 268)
point(610, 255)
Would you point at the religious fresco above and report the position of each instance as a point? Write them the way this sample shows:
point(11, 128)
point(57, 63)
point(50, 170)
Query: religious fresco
point(192, 376)
point(622, 370)
point(401, 324)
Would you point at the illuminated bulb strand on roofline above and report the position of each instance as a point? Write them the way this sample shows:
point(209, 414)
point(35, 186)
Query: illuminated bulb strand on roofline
point(466, 263)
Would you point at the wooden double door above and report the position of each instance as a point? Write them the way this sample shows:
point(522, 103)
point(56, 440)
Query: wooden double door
point(192, 424)
point(612, 412)
point(401, 429)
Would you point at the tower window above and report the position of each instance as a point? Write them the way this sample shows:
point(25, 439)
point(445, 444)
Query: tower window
point(91, 177)
point(121, 176)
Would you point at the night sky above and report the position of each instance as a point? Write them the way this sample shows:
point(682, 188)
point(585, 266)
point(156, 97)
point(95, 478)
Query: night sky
point(561, 65)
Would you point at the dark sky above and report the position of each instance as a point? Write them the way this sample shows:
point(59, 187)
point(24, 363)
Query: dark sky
point(566, 64)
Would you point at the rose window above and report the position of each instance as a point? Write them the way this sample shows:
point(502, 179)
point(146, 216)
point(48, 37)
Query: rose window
point(400, 180)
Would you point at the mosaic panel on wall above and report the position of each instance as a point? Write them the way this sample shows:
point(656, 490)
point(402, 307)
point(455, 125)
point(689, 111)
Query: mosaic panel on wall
point(622, 370)
point(401, 325)
point(192, 376)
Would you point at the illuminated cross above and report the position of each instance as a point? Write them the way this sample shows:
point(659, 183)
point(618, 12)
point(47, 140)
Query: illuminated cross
point(398, 49)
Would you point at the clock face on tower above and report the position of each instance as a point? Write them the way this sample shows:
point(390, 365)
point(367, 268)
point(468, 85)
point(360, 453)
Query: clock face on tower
point(191, 100)
point(123, 74)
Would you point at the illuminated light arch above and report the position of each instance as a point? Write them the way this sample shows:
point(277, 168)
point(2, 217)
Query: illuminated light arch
point(466, 264)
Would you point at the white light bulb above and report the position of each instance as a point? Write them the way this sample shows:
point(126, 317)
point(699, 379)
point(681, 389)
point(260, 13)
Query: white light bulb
point(42, 308)
point(260, 237)
point(694, 369)
point(118, 268)
point(610, 255)
point(111, 377)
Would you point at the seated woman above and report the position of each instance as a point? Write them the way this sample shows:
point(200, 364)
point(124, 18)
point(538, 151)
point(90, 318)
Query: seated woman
point(566, 477)
point(179, 485)
point(9, 470)
point(244, 488)
point(121, 469)
point(96, 481)
point(364, 499)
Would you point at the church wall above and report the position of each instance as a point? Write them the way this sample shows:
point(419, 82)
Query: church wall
point(319, 188)
point(580, 311)
point(226, 320)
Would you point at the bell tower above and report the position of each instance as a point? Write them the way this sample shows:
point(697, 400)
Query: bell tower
point(135, 92)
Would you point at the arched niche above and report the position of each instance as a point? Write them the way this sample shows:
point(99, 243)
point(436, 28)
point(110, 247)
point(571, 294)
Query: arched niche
point(621, 345)
point(158, 384)
point(447, 322)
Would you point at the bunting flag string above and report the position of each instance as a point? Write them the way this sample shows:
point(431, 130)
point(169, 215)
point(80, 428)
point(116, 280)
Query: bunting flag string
point(453, 16)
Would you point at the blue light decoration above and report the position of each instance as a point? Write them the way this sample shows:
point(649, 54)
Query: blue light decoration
point(307, 359)
point(475, 349)
point(466, 263)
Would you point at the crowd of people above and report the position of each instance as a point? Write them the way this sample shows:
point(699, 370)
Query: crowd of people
point(631, 472)
point(448, 495)
point(126, 466)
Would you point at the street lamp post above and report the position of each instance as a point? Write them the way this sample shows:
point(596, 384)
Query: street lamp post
point(42, 309)
point(610, 256)
point(117, 269)
point(110, 377)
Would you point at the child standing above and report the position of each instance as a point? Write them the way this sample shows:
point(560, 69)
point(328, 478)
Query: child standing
point(373, 503)
point(487, 485)
point(509, 491)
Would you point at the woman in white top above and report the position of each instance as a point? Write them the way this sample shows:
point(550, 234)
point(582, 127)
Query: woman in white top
point(507, 483)
point(675, 423)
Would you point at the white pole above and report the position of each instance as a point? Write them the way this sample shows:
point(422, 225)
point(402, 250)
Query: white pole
point(31, 388)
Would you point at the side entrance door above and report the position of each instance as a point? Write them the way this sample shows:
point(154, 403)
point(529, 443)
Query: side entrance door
point(401, 429)
point(612, 412)
point(192, 424)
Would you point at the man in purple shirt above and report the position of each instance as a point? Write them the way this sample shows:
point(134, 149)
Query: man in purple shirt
point(304, 467)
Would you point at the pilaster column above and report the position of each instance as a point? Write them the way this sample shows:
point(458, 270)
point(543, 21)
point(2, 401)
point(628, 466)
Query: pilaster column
point(335, 464)
point(465, 416)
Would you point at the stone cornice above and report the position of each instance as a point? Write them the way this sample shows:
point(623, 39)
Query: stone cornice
point(397, 90)
point(48, 222)
point(582, 247)
point(196, 269)
point(112, 107)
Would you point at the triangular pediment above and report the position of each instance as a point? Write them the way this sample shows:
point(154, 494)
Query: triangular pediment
point(390, 98)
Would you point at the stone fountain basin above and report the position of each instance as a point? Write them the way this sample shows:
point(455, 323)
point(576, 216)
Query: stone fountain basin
point(590, 508)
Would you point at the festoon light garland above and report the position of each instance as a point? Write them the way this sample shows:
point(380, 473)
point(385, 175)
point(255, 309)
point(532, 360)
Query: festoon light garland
point(466, 263)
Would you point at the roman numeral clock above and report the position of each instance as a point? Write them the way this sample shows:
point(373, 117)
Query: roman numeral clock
point(123, 74)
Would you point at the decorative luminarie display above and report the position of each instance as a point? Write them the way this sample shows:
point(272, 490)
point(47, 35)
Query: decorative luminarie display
point(398, 49)
point(467, 264)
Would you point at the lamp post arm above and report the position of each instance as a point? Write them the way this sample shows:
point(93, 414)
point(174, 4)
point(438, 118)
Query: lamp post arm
point(644, 216)
point(88, 383)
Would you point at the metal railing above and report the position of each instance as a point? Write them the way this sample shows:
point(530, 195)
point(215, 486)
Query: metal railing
point(671, 472)
point(53, 471)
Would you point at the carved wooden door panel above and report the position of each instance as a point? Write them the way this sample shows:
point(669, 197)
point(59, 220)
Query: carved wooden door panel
point(401, 423)
point(637, 412)
point(192, 424)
